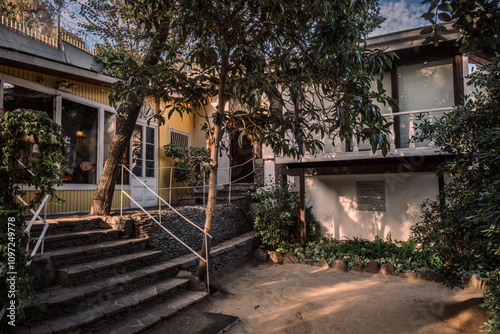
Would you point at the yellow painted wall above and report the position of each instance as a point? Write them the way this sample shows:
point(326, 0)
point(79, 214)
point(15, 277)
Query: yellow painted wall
point(87, 91)
point(77, 200)
point(186, 124)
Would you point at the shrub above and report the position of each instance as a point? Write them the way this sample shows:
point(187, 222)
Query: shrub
point(191, 165)
point(277, 217)
point(20, 130)
point(404, 255)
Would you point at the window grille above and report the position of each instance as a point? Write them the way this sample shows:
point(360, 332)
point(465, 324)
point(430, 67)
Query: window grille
point(180, 138)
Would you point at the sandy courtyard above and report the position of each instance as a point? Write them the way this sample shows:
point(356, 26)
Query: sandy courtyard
point(304, 299)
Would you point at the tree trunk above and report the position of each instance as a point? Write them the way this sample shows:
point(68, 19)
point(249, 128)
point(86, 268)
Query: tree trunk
point(101, 203)
point(214, 156)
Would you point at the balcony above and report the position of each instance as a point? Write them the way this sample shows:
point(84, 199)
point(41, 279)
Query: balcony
point(403, 128)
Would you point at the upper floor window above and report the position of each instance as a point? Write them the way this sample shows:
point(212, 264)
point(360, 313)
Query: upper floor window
point(422, 86)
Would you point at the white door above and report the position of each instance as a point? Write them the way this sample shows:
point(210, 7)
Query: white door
point(144, 166)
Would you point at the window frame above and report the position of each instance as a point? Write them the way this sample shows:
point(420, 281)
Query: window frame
point(58, 96)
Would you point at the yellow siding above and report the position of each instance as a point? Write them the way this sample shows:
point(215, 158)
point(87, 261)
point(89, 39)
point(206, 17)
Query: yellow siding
point(87, 91)
point(78, 200)
point(185, 123)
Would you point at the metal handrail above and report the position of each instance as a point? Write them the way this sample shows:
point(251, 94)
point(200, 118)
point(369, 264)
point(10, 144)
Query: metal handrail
point(36, 215)
point(40, 241)
point(204, 186)
point(205, 233)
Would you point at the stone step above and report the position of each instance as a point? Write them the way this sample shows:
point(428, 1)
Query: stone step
point(149, 318)
point(97, 316)
point(110, 266)
point(66, 240)
point(68, 225)
point(81, 254)
point(58, 299)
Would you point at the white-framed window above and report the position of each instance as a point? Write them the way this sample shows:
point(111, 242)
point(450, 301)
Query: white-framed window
point(88, 128)
point(179, 138)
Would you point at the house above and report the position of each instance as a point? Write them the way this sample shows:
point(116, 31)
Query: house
point(355, 193)
point(59, 75)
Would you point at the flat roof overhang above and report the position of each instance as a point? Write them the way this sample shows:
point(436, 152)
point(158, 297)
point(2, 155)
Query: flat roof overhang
point(414, 164)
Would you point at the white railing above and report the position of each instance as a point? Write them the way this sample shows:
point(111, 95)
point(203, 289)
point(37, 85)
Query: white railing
point(411, 123)
point(205, 186)
point(45, 33)
point(406, 130)
point(158, 222)
point(36, 215)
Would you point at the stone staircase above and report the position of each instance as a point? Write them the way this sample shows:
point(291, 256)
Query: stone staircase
point(97, 280)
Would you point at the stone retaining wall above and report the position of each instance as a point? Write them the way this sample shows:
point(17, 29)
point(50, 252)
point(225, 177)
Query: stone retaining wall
point(228, 254)
point(230, 220)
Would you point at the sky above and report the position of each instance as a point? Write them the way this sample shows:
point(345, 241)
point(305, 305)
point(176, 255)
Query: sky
point(400, 15)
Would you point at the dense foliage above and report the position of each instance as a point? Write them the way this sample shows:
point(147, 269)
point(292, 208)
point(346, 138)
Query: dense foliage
point(277, 218)
point(478, 22)
point(20, 131)
point(191, 165)
point(403, 255)
point(463, 225)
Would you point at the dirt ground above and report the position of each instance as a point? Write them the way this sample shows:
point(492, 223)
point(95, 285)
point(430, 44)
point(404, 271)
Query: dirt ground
point(304, 299)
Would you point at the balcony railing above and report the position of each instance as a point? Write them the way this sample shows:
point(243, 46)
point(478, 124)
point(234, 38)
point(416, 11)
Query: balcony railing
point(407, 121)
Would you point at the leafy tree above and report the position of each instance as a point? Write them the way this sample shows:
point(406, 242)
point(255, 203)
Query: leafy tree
point(463, 225)
point(285, 71)
point(20, 130)
point(137, 39)
point(477, 21)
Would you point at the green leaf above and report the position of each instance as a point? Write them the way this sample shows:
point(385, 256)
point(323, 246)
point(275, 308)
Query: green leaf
point(445, 17)
point(427, 30)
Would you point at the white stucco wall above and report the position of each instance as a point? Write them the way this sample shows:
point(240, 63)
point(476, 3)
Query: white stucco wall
point(335, 205)
point(200, 140)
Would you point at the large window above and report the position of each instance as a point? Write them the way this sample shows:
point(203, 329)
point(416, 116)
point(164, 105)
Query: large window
point(88, 130)
point(79, 123)
point(15, 97)
point(423, 86)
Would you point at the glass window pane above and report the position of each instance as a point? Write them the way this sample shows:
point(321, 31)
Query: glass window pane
point(150, 135)
point(79, 124)
point(150, 152)
point(15, 97)
point(137, 167)
point(137, 151)
point(432, 80)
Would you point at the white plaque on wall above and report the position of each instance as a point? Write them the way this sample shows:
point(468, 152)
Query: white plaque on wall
point(370, 195)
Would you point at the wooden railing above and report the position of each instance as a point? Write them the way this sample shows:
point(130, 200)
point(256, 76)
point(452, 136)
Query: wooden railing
point(45, 33)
